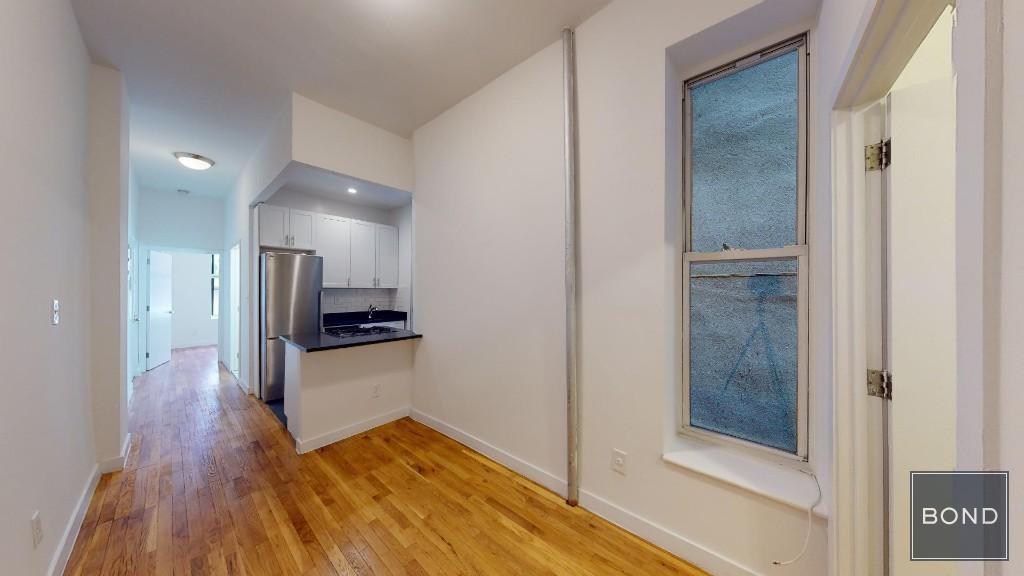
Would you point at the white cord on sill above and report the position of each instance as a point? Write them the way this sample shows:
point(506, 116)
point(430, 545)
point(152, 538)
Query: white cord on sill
point(810, 523)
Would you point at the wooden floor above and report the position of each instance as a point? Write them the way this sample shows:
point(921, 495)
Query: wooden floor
point(213, 486)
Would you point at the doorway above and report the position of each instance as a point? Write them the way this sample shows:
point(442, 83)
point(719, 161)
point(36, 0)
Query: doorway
point(896, 299)
point(184, 297)
point(235, 311)
point(159, 310)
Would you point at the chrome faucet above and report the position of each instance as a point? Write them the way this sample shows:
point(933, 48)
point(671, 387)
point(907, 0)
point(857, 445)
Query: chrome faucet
point(371, 310)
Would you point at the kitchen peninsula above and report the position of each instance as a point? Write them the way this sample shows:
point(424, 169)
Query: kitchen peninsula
point(342, 384)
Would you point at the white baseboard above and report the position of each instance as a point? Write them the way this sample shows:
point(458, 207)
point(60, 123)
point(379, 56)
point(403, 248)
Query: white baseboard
point(70, 535)
point(117, 463)
point(538, 475)
point(664, 538)
point(307, 445)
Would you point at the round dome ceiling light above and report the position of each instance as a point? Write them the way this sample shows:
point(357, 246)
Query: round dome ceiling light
point(352, 190)
point(194, 161)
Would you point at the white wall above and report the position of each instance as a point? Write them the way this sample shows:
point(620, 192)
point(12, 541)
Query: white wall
point(191, 323)
point(403, 218)
point(629, 292)
point(489, 289)
point(175, 220)
point(107, 179)
point(335, 141)
point(135, 343)
point(46, 417)
point(1003, 450)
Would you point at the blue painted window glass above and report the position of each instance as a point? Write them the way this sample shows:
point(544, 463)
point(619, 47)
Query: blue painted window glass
point(743, 350)
point(744, 145)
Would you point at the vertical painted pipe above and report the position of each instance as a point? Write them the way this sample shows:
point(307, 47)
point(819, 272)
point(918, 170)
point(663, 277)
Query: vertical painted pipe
point(571, 189)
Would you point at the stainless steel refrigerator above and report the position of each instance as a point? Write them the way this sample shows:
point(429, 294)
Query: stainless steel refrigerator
point(290, 286)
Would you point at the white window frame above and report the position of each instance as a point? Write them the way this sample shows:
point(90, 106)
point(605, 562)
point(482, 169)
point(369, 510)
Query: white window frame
point(799, 252)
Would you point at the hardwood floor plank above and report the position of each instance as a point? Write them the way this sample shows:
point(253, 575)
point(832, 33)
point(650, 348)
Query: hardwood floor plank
point(213, 486)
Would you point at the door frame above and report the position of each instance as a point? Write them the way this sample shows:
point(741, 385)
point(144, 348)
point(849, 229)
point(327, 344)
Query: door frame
point(143, 280)
point(886, 42)
point(235, 309)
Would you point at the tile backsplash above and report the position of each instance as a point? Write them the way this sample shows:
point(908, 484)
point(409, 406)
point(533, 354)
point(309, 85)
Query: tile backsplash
point(359, 299)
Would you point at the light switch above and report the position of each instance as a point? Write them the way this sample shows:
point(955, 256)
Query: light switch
point(55, 319)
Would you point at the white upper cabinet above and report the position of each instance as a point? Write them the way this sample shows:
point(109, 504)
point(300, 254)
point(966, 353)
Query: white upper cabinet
point(387, 256)
point(302, 230)
point(284, 228)
point(364, 254)
point(274, 226)
point(333, 243)
point(356, 254)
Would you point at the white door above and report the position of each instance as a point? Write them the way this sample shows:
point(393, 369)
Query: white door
point(302, 229)
point(387, 256)
point(911, 297)
point(235, 311)
point(364, 256)
point(333, 243)
point(158, 349)
point(273, 226)
point(922, 280)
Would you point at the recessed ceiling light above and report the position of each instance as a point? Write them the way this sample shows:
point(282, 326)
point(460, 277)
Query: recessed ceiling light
point(352, 190)
point(194, 161)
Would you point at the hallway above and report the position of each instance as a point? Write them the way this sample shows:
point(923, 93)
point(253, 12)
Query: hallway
point(213, 486)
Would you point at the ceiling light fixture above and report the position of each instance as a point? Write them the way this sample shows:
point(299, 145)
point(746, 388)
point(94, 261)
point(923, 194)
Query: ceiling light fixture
point(352, 190)
point(194, 161)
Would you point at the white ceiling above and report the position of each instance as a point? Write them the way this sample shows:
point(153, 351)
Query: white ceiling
point(207, 76)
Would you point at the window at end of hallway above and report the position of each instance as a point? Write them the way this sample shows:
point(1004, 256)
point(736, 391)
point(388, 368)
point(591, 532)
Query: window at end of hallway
point(744, 262)
point(214, 285)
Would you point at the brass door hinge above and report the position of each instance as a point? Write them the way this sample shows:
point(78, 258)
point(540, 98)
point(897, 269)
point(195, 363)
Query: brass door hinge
point(878, 156)
point(880, 384)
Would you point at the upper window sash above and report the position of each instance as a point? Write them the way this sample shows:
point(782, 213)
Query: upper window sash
point(796, 45)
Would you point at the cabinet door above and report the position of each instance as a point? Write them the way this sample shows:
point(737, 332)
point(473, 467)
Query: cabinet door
point(334, 245)
point(364, 254)
point(273, 226)
point(302, 229)
point(387, 256)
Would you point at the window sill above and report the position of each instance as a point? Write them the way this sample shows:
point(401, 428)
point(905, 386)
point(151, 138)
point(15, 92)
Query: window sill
point(773, 481)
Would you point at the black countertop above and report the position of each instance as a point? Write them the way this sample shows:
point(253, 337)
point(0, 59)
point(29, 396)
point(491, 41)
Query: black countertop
point(319, 342)
point(357, 318)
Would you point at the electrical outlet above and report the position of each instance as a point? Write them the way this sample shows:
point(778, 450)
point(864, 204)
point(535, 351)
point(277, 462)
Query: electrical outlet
point(619, 461)
point(37, 529)
point(55, 318)
point(376, 391)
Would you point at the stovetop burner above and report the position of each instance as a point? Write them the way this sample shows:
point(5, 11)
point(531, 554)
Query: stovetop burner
point(347, 331)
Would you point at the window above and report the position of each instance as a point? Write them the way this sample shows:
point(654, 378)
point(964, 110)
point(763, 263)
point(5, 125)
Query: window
point(745, 255)
point(214, 285)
